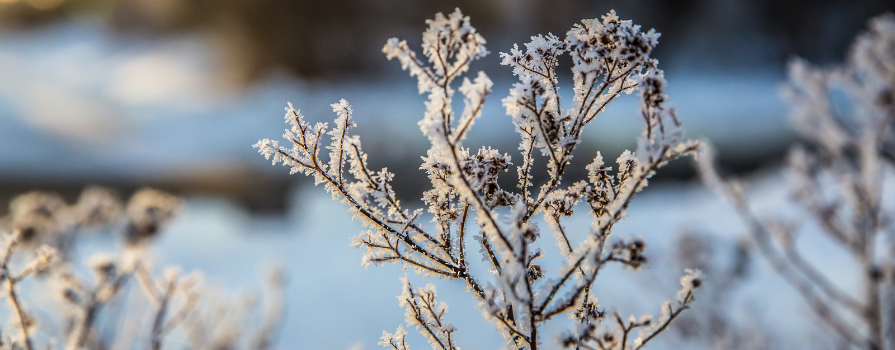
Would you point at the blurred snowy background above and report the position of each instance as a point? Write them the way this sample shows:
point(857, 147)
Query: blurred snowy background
point(173, 93)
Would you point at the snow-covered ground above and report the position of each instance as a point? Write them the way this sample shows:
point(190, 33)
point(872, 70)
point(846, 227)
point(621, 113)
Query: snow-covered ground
point(335, 303)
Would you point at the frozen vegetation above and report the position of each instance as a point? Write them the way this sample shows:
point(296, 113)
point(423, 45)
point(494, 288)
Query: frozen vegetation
point(469, 208)
point(99, 273)
point(846, 115)
point(116, 299)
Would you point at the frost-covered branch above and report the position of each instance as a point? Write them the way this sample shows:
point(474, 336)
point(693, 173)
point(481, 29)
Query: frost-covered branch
point(424, 312)
point(610, 57)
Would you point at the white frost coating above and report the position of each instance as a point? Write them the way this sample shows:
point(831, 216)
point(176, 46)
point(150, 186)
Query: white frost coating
point(690, 282)
point(609, 57)
point(341, 141)
point(475, 93)
point(396, 340)
point(450, 44)
point(424, 312)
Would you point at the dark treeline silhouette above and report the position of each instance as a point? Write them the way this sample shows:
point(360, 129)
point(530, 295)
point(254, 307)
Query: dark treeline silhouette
point(338, 38)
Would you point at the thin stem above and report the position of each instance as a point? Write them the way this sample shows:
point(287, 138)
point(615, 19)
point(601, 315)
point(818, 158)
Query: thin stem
point(11, 292)
point(672, 315)
point(17, 307)
point(155, 338)
point(462, 233)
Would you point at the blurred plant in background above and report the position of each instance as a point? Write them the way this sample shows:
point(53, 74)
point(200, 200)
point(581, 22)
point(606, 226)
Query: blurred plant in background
point(610, 57)
point(57, 301)
point(847, 116)
point(714, 322)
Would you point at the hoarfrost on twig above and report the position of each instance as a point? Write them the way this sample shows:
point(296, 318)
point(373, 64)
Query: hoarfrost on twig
point(609, 57)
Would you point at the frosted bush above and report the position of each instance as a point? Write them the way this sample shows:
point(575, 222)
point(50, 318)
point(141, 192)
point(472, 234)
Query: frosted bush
point(467, 204)
point(846, 114)
point(73, 298)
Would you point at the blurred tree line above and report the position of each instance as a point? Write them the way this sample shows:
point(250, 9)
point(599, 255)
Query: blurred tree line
point(336, 38)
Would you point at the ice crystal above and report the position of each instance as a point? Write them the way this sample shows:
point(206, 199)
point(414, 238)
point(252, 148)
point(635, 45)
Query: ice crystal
point(609, 57)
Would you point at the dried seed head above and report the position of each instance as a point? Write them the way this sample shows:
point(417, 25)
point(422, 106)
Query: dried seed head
point(535, 272)
point(36, 214)
point(147, 211)
point(46, 257)
point(71, 296)
point(97, 206)
point(103, 266)
point(691, 280)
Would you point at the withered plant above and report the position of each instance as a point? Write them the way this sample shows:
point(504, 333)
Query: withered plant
point(467, 207)
point(846, 115)
point(40, 237)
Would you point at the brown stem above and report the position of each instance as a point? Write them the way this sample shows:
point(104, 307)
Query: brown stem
point(17, 307)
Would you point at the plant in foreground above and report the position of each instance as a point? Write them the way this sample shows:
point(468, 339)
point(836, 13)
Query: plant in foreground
point(847, 114)
point(609, 57)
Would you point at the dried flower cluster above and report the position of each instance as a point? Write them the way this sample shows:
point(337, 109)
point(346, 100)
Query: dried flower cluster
point(609, 57)
point(40, 238)
point(847, 114)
